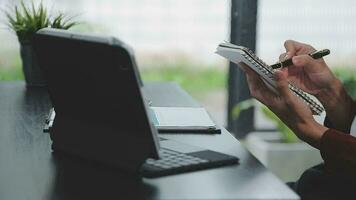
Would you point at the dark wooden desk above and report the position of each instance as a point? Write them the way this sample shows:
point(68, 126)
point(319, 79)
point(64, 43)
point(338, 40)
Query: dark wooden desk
point(28, 169)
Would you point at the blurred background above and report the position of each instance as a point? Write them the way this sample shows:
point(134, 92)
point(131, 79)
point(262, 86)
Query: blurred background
point(175, 40)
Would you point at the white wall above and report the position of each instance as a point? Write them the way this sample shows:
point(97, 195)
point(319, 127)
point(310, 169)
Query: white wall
point(324, 24)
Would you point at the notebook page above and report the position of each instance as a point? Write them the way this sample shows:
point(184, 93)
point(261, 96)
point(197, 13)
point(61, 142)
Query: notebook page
point(182, 116)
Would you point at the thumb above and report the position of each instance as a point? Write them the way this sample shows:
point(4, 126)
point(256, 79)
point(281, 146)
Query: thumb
point(282, 84)
point(291, 48)
point(307, 62)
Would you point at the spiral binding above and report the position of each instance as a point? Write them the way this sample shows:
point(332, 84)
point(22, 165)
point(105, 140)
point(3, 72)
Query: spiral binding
point(268, 71)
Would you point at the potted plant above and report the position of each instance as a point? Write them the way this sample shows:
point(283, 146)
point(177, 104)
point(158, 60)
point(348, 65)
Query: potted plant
point(280, 151)
point(25, 21)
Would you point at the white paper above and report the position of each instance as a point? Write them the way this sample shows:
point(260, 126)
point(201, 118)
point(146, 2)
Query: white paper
point(182, 117)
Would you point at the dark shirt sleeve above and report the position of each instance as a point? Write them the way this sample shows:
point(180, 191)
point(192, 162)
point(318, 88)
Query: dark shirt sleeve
point(339, 153)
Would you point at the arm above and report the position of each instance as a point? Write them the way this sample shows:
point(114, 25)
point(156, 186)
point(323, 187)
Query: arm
point(337, 148)
point(339, 106)
point(338, 151)
point(316, 78)
point(288, 107)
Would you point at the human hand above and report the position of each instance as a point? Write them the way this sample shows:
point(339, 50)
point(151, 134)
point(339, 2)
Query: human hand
point(289, 108)
point(315, 77)
point(311, 75)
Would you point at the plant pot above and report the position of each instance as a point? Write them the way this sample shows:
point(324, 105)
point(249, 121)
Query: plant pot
point(31, 69)
point(286, 160)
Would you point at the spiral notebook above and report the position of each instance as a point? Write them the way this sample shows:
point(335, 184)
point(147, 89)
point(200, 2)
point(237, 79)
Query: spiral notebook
point(238, 54)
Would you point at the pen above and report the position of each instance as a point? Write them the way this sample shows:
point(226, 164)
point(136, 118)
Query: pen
point(288, 62)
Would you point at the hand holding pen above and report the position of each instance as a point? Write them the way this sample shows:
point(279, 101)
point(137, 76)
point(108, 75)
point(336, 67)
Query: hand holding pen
point(314, 55)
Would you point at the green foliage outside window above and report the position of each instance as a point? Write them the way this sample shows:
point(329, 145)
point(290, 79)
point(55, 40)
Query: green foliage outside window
point(348, 78)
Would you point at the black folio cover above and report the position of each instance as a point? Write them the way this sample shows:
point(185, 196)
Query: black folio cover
point(86, 78)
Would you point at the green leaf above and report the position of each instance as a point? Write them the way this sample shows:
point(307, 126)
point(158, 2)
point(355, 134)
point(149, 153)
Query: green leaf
point(243, 105)
point(26, 21)
point(34, 13)
point(19, 18)
point(12, 21)
point(27, 13)
point(57, 21)
point(70, 25)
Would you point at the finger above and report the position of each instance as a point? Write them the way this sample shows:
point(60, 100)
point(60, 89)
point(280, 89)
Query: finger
point(285, 70)
point(243, 66)
point(282, 85)
point(287, 96)
point(306, 49)
point(302, 48)
point(308, 63)
point(249, 72)
point(297, 48)
point(257, 87)
point(252, 83)
point(253, 79)
point(256, 82)
point(283, 56)
point(291, 48)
